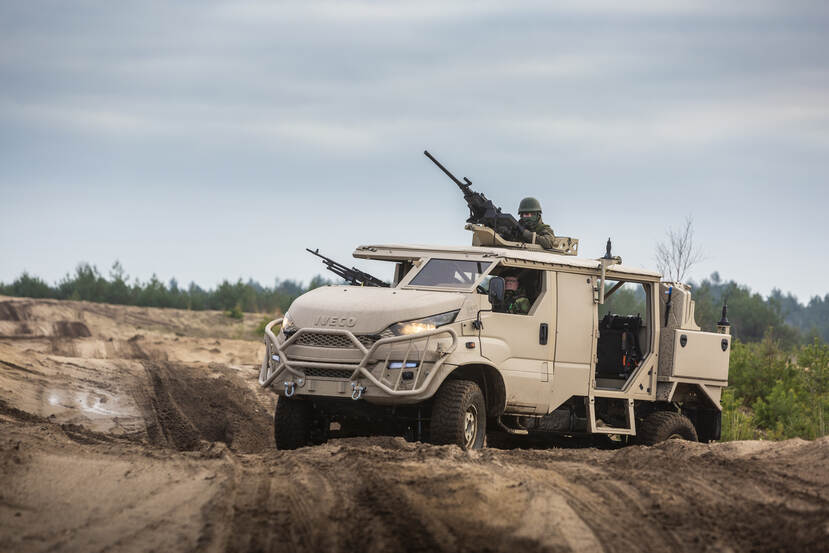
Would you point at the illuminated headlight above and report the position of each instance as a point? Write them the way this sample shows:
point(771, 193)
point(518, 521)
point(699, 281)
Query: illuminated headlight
point(423, 325)
point(288, 324)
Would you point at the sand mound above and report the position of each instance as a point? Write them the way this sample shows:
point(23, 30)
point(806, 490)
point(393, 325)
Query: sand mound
point(10, 312)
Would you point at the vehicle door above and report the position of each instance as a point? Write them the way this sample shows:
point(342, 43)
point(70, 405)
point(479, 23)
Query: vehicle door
point(522, 346)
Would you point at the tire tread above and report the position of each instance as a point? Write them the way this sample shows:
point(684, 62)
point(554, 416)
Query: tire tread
point(660, 424)
point(450, 407)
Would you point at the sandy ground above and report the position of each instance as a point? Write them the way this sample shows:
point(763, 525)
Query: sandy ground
point(132, 429)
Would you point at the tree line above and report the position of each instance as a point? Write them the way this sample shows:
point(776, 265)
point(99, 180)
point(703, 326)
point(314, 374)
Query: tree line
point(752, 316)
point(88, 284)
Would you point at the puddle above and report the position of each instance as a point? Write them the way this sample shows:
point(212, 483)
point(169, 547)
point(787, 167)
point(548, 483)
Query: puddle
point(95, 404)
point(97, 411)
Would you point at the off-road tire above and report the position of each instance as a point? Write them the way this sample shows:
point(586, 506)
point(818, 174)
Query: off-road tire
point(453, 402)
point(665, 425)
point(292, 423)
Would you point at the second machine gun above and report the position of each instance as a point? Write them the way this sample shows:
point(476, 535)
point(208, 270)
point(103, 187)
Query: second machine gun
point(482, 211)
point(353, 276)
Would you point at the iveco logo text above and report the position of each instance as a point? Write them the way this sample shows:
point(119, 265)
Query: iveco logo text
point(324, 320)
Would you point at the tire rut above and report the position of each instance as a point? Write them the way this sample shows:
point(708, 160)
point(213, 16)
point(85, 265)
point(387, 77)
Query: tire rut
point(184, 406)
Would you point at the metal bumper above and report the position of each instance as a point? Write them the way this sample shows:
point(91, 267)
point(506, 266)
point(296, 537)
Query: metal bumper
point(277, 364)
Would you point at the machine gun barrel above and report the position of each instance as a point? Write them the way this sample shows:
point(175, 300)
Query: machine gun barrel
point(353, 275)
point(462, 186)
point(481, 210)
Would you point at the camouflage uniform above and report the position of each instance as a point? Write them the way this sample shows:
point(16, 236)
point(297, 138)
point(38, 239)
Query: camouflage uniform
point(517, 302)
point(543, 235)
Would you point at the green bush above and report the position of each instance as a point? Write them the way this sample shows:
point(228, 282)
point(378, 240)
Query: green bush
point(260, 329)
point(756, 367)
point(737, 420)
point(787, 391)
point(784, 412)
point(235, 313)
point(814, 361)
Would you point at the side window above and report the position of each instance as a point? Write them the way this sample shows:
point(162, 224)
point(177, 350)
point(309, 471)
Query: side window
point(623, 298)
point(524, 288)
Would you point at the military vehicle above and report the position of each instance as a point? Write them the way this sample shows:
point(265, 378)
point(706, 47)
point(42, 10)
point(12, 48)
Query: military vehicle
point(433, 355)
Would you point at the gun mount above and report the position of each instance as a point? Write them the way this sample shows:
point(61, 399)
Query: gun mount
point(482, 235)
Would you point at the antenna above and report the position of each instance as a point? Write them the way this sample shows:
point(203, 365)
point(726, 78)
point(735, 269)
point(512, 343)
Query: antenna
point(723, 326)
point(607, 250)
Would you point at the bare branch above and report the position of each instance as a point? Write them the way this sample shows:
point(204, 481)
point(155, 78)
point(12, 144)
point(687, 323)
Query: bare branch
point(678, 253)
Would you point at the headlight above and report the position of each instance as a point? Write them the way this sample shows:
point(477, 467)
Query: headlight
point(423, 325)
point(288, 324)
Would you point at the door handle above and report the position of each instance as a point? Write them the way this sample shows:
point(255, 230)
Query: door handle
point(543, 331)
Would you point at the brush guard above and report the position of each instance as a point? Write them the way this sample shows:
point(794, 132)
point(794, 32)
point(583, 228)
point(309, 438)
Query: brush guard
point(277, 365)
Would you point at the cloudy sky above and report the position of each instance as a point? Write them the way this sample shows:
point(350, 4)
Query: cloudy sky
point(203, 140)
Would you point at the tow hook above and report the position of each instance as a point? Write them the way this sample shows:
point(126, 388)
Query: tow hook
point(290, 388)
point(357, 392)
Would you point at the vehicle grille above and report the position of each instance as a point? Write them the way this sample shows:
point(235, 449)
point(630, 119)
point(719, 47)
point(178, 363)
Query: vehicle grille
point(334, 340)
point(327, 373)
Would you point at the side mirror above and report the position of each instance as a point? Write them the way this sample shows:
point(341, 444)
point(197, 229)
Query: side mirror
point(496, 291)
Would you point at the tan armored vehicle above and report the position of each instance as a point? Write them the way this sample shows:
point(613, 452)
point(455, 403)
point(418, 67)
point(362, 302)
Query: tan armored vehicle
point(436, 356)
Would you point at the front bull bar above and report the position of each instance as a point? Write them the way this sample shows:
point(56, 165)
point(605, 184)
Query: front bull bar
point(267, 374)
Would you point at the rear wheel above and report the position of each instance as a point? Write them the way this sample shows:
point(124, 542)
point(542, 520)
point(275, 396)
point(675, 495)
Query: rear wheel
point(459, 415)
point(666, 425)
point(292, 423)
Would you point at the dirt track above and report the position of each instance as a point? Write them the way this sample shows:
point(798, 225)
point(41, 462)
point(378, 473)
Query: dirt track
point(128, 429)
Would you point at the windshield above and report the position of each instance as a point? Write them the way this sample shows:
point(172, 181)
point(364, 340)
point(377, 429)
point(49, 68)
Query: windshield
point(450, 273)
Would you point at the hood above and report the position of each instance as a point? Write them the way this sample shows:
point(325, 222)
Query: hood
point(367, 309)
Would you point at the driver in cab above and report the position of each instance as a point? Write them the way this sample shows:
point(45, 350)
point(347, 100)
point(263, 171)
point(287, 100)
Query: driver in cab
point(515, 299)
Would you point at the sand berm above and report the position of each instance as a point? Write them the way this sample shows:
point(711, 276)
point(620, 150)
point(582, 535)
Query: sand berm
point(136, 429)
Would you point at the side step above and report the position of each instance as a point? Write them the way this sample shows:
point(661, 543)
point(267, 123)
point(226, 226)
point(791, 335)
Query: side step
point(599, 427)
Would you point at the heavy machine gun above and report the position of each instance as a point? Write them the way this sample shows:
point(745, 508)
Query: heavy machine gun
point(481, 210)
point(353, 275)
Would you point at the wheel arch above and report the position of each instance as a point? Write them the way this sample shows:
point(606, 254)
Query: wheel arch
point(694, 396)
point(490, 381)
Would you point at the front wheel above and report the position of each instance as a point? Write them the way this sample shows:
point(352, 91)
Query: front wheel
point(666, 425)
point(459, 415)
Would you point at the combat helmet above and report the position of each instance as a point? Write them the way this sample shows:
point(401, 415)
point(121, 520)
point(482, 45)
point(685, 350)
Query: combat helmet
point(529, 205)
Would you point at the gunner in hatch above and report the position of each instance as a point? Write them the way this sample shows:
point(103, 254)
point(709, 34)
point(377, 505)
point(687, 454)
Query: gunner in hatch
point(534, 229)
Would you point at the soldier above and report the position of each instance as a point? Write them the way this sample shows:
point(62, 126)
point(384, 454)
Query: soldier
point(529, 212)
point(515, 299)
